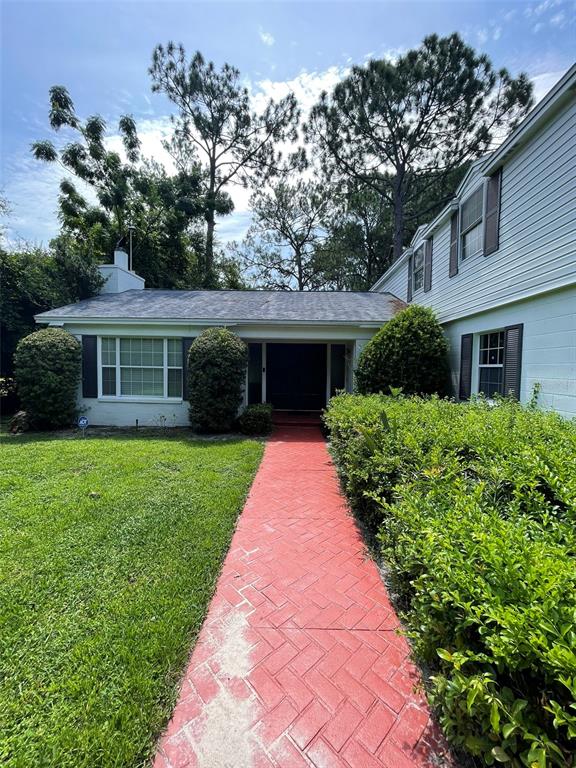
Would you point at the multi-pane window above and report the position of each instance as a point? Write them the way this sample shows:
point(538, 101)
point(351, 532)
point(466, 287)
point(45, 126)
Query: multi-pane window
point(491, 369)
point(141, 367)
point(418, 268)
point(108, 353)
point(471, 224)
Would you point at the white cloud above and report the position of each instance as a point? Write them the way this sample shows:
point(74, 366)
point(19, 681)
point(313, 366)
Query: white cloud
point(558, 20)
point(482, 36)
point(544, 82)
point(497, 32)
point(306, 87)
point(266, 37)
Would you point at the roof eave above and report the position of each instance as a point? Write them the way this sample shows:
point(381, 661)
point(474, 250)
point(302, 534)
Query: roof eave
point(208, 322)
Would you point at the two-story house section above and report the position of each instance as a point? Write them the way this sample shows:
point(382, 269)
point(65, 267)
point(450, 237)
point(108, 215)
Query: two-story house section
point(498, 265)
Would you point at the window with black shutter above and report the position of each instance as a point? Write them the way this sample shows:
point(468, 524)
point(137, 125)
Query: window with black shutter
point(89, 366)
point(500, 362)
point(465, 388)
point(409, 288)
point(428, 265)
point(513, 360)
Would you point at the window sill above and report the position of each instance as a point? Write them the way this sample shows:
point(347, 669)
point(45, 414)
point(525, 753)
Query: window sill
point(128, 399)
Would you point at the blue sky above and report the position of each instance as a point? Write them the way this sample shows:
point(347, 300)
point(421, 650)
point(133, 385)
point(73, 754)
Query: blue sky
point(100, 51)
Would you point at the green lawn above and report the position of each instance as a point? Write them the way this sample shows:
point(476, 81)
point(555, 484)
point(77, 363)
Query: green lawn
point(109, 551)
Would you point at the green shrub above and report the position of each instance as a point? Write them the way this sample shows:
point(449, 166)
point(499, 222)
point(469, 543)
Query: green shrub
point(476, 509)
point(47, 365)
point(409, 352)
point(217, 363)
point(8, 395)
point(256, 419)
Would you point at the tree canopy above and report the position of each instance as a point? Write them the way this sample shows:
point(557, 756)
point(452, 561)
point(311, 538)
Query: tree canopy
point(165, 210)
point(216, 125)
point(281, 248)
point(393, 124)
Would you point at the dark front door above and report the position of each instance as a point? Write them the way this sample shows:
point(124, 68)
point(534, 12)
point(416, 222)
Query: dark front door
point(296, 376)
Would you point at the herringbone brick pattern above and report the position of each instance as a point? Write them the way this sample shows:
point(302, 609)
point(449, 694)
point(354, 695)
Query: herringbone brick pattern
point(299, 662)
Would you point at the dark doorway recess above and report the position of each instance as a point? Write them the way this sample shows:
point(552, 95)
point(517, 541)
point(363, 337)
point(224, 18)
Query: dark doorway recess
point(296, 376)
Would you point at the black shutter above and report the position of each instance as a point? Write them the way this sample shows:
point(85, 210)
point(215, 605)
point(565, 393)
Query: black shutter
point(428, 265)
point(513, 360)
point(465, 366)
point(454, 232)
point(186, 343)
point(492, 219)
point(409, 289)
point(89, 366)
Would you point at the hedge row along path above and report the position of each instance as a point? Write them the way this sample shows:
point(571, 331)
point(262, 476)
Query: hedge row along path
point(299, 662)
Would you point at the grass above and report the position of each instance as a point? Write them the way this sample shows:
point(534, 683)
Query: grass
point(110, 548)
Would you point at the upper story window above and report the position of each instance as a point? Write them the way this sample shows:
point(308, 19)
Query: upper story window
point(471, 212)
point(418, 268)
point(491, 367)
point(141, 367)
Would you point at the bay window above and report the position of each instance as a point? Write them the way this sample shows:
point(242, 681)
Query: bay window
point(141, 367)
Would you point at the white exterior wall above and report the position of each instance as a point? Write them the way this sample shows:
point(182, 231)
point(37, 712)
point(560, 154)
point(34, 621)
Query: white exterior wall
point(530, 279)
point(119, 280)
point(537, 250)
point(548, 348)
point(149, 411)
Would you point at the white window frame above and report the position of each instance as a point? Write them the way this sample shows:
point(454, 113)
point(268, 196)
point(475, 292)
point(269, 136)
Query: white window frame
point(480, 365)
point(480, 223)
point(418, 250)
point(136, 398)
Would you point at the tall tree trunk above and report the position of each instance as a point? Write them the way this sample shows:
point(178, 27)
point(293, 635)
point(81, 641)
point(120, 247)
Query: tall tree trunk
point(298, 255)
point(209, 278)
point(398, 211)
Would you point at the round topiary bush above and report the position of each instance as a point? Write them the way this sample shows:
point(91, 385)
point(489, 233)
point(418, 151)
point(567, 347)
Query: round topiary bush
point(47, 366)
point(256, 419)
point(217, 363)
point(410, 352)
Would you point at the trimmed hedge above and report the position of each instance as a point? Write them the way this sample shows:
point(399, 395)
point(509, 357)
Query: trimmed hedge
point(47, 366)
point(409, 353)
point(216, 363)
point(256, 419)
point(476, 510)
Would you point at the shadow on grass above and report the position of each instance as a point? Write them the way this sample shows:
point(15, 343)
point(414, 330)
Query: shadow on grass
point(174, 434)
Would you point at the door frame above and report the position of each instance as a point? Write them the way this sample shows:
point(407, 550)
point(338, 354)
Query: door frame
point(328, 344)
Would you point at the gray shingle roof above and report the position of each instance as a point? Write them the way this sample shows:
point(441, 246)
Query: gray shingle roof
point(227, 306)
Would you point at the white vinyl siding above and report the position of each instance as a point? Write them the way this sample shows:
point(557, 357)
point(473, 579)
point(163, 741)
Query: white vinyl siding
point(548, 346)
point(537, 244)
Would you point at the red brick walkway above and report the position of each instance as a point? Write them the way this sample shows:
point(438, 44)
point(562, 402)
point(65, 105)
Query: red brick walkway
point(298, 662)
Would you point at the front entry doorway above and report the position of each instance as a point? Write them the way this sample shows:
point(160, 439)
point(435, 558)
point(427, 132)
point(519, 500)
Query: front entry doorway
point(296, 376)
